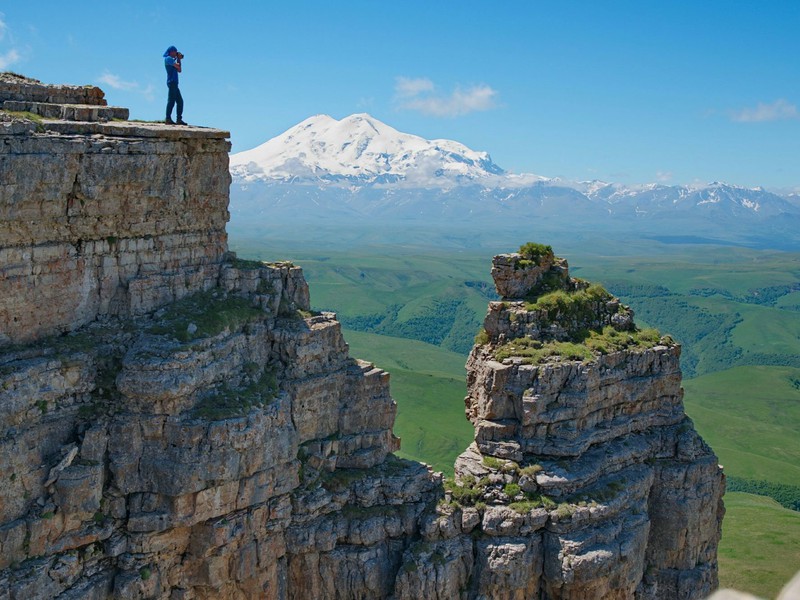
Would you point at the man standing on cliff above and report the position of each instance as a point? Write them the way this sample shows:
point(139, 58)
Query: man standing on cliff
point(172, 62)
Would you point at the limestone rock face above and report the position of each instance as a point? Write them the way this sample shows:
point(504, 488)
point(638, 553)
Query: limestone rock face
point(178, 424)
point(586, 478)
point(111, 218)
point(514, 276)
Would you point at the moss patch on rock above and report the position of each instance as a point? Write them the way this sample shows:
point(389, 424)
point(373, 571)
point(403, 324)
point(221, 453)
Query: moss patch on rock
point(205, 314)
point(227, 402)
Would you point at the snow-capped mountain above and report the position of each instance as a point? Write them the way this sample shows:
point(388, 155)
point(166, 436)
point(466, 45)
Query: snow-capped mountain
point(360, 168)
point(654, 198)
point(360, 149)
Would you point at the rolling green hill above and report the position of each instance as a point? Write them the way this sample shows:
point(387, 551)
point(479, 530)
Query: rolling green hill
point(751, 418)
point(760, 548)
point(436, 301)
point(429, 386)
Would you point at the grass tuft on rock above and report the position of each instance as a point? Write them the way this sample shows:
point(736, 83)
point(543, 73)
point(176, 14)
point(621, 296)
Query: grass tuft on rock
point(588, 345)
point(205, 314)
point(537, 352)
point(532, 502)
point(467, 492)
point(560, 303)
point(227, 402)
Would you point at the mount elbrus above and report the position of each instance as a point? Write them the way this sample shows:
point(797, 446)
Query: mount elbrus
point(359, 169)
point(178, 423)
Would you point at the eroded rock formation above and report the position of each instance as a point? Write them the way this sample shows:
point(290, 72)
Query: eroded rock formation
point(586, 478)
point(176, 423)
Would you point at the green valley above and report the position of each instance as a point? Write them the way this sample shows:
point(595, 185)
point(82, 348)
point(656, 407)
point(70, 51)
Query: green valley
point(415, 309)
point(760, 548)
point(750, 416)
point(428, 384)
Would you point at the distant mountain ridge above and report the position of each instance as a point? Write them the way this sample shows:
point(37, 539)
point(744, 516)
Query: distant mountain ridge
point(359, 167)
point(656, 198)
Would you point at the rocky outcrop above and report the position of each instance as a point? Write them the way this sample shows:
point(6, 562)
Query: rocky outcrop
point(249, 458)
point(586, 478)
point(177, 423)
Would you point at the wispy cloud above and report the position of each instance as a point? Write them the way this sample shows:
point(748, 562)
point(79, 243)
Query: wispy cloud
point(663, 176)
point(116, 82)
point(406, 87)
point(365, 102)
point(420, 94)
point(780, 110)
point(148, 92)
point(9, 57)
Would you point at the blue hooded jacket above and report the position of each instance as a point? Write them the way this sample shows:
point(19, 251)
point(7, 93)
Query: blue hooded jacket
point(169, 64)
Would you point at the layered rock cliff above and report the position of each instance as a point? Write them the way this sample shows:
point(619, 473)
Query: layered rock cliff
point(100, 216)
point(586, 478)
point(178, 423)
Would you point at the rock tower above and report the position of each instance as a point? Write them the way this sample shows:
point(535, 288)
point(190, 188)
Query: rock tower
point(176, 423)
point(586, 478)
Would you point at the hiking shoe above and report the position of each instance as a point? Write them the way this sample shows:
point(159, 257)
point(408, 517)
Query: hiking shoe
point(169, 121)
point(181, 122)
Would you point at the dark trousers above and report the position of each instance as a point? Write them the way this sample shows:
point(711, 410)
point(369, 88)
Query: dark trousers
point(173, 99)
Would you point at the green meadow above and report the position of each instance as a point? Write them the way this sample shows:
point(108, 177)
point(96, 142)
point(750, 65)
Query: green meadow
point(751, 418)
point(415, 309)
point(429, 386)
point(760, 549)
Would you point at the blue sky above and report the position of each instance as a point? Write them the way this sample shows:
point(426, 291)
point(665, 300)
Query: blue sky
point(678, 92)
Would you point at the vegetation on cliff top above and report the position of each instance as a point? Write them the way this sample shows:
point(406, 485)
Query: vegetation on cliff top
point(579, 303)
point(532, 254)
point(586, 347)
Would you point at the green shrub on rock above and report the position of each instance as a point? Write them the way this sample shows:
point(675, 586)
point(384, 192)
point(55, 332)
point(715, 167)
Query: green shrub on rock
point(535, 252)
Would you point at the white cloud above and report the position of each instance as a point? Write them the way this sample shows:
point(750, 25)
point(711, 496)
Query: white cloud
point(406, 87)
point(116, 82)
point(9, 58)
point(780, 110)
point(663, 176)
point(420, 94)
